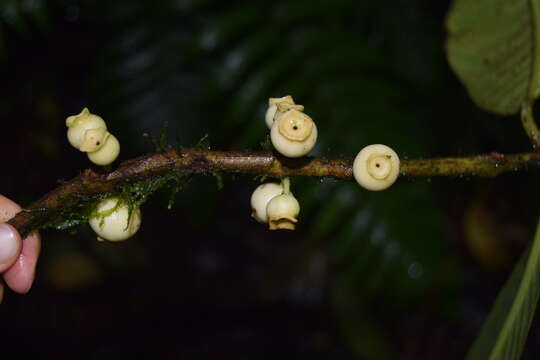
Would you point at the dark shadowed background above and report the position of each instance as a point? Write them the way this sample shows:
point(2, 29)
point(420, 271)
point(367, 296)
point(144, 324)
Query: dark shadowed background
point(407, 273)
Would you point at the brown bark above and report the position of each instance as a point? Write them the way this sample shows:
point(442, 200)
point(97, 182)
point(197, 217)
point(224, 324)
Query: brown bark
point(202, 161)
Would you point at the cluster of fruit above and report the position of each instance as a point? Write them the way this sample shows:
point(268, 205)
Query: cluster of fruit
point(294, 134)
point(88, 133)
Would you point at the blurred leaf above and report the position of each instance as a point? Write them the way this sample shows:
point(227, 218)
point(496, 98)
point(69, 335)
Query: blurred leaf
point(504, 332)
point(22, 15)
point(399, 249)
point(493, 48)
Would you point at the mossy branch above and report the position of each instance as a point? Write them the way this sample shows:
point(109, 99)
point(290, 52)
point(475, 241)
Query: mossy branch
point(73, 201)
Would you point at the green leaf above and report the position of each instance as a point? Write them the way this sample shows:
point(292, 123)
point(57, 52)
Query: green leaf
point(504, 332)
point(493, 46)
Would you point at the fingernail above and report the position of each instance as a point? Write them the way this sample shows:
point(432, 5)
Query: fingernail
point(9, 245)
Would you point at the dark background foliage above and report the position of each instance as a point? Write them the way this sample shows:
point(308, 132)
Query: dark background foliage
point(407, 273)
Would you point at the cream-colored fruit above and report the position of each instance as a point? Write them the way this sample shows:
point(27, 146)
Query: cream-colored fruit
point(282, 212)
point(275, 101)
point(79, 124)
point(94, 139)
point(376, 167)
point(107, 153)
point(294, 134)
point(269, 116)
point(278, 106)
point(283, 107)
point(260, 198)
point(112, 225)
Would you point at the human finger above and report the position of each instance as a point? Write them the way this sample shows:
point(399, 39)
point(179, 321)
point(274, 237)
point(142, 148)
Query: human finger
point(21, 274)
point(10, 246)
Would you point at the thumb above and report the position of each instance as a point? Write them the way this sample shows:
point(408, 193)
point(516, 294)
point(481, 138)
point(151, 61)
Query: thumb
point(10, 246)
